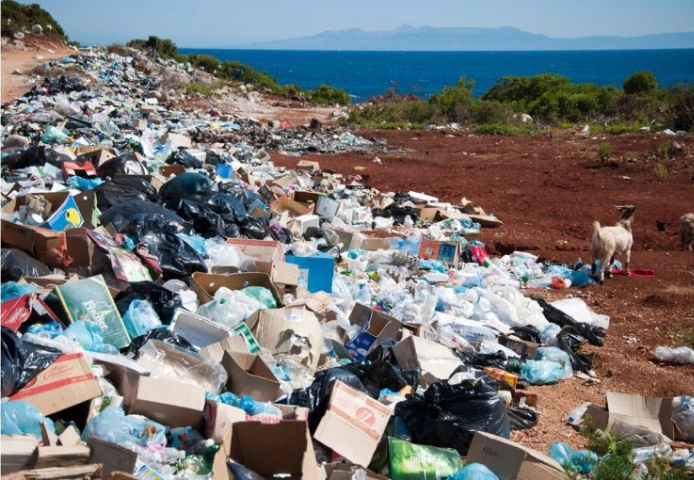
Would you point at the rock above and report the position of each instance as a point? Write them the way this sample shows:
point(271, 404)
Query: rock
point(37, 29)
point(18, 35)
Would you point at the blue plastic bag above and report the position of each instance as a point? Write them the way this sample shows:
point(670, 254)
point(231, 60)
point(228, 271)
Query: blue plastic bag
point(112, 425)
point(474, 471)
point(583, 461)
point(252, 407)
point(11, 290)
point(21, 417)
point(140, 318)
point(542, 372)
point(89, 335)
point(554, 354)
point(560, 451)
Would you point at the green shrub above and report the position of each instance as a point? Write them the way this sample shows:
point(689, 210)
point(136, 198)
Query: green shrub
point(202, 88)
point(683, 107)
point(455, 103)
point(504, 129)
point(207, 63)
point(163, 47)
point(17, 16)
point(640, 83)
point(660, 172)
point(604, 151)
point(328, 95)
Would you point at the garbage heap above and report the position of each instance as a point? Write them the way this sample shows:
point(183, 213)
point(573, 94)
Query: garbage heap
point(175, 306)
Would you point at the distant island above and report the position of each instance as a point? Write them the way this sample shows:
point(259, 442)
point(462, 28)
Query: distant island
point(426, 38)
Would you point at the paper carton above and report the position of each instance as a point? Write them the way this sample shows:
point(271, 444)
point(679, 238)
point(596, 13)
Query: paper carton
point(18, 452)
point(90, 299)
point(293, 208)
point(501, 374)
point(436, 361)
point(308, 166)
point(653, 413)
point(205, 285)
point(265, 251)
point(16, 311)
point(320, 267)
point(177, 139)
point(64, 213)
point(522, 347)
point(510, 460)
point(69, 381)
point(292, 332)
point(219, 418)
point(114, 457)
point(289, 442)
point(250, 375)
point(95, 156)
point(353, 424)
point(241, 340)
point(374, 326)
point(444, 252)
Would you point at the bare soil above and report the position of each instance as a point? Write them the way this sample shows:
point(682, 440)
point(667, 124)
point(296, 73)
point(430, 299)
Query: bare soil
point(547, 191)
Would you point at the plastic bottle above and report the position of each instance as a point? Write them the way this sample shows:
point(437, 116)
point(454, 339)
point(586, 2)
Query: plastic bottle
point(680, 356)
point(576, 415)
point(363, 295)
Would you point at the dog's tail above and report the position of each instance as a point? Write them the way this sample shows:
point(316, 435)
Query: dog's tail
point(596, 230)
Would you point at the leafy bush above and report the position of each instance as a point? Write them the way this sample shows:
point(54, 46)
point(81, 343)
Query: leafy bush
point(207, 63)
point(604, 151)
point(202, 88)
point(660, 172)
point(17, 16)
point(163, 47)
point(683, 107)
point(328, 95)
point(640, 83)
point(455, 102)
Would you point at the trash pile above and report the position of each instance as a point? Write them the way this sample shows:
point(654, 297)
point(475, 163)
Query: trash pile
point(175, 306)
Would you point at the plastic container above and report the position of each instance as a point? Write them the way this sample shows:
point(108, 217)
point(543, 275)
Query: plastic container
point(576, 415)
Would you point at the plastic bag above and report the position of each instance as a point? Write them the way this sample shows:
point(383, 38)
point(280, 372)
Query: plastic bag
point(164, 301)
point(239, 472)
point(89, 336)
point(474, 471)
point(683, 415)
point(124, 189)
point(230, 307)
point(594, 334)
point(161, 334)
point(187, 184)
point(262, 294)
point(560, 451)
point(222, 253)
point(448, 415)
point(112, 425)
point(554, 354)
point(22, 361)
point(678, 356)
point(17, 264)
point(12, 289)
point(54, 135)
point(21, 417)
point(140, 318)
point(541, 372)
point(521, 418)
point(127, 164)
point(481, 360)
point(124, 214)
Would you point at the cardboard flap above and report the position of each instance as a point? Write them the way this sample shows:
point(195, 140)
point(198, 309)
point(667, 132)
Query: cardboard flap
point(653, 413)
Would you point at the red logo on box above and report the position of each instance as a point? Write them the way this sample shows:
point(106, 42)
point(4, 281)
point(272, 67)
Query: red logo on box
point(365, 416)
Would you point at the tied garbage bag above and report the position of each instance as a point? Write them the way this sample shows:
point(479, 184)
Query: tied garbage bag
point(594, 334)
point(89, 336)
point(22, 361)
point(560, 451)
point(521, 418)
point(54, 135)
point(113, 425)
point(127, 164)
point(164, 301)
point(542, 372)
point(20, 417)
point(683, 416)
point(262, 294)
point(124, 189)
point(140, 318)
point(474, 471)
point(187, 184)
point(449, 415)
point(127, 213)
point(17, 264)
point(554, 354)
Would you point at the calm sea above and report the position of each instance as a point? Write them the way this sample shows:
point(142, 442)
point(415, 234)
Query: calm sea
point(365, 74)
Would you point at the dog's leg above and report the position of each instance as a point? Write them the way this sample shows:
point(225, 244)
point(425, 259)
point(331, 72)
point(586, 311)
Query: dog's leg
point(627, 260)
point(609, 267)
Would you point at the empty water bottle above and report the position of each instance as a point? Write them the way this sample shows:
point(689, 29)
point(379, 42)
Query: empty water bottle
point(680, 356)
point(576, 415)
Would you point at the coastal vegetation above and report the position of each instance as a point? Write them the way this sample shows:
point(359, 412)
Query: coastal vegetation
point(18, 17)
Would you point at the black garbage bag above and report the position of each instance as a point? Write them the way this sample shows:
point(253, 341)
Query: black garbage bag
point(205, 221)
point(176, 258)
point(569, 340)
point(399, 213)
point(126, 164)
point(181, 157)
point(448, 415)
point(22, 361)
point(521, 418)
point(226, 203)
point(164, 301)
point(316, 396)
point(481, 360)
point(255, 228)
point(17, 264)
point(187, 184)
point(280, 234)
point(239, 472)
point(126, 213)
point(595, 335)
point(377, 376)
point(124, 189)
point(529, 333)
point(26, 157)
point(162, 334)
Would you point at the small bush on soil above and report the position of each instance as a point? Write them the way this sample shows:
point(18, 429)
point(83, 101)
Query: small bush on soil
point(604, 151)
point(202, 88)
point(328, 95)
point(660, 172)
point(640, 83)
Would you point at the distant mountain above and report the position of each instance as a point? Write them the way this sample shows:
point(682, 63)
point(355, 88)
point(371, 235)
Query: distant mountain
point(407, 37)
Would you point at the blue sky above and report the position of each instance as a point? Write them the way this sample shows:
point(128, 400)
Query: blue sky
point(220, 23)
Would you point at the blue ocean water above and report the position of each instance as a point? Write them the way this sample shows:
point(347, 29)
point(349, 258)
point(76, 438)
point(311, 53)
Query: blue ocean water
point(365, 74)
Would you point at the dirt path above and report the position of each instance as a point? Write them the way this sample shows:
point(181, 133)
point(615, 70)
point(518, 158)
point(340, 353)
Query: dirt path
point(30, 53)
point(548, 191)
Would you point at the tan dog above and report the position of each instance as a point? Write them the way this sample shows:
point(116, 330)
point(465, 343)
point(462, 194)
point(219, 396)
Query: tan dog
point(687, 231)
point(608, 242)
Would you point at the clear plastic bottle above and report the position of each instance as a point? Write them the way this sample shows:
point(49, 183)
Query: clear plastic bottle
point(363, 295)
point(576, 415)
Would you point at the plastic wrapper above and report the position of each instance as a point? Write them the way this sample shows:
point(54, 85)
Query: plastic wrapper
point(554, 354)
point(223, 254)
point(163, 300)
point(230, 307)
point(594, 334)
point(17, 264)
point(474, 471)
point(187, 184)
point(481, 360)
point(20, 417)
point(541, 372)
point(448, 415)
point(161, 334)
point(113, 425)
point(678, 356)
point(521, 418)
point(140, 318)
point(22, 361)
point(181, 157)
point(89, 336)
point(184, 438)
point(683, 416)
point(262, 294)
point(13, 289)
point(54, 135)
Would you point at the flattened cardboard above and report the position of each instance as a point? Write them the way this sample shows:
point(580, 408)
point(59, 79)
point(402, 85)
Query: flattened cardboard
point(205, 285)
point(48, 457)
point(523, 348)
point(18, 452)
point(374, 325)
point(250, 375)
point(69, 381)
point(114, 457)
point(510, 460)
point(444, 252)
point(436, 361)
point(654, 413)
point(353, 425)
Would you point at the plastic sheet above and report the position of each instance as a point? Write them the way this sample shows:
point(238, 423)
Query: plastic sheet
point(187, 184)
point(554, 354)
point(521, 418)
point(13, 289)
point(89, 336)
point(17, 264)
point(22, 361)
point(683, 415)
point(124, 189)
point(112, 425)
point(261, 294)
point(20, 417)
point(127, 164)
point(140, 318)
point(161, 334)
point(164, 301)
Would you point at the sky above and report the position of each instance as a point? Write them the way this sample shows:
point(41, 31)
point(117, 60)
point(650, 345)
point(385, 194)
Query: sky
point(228, 23)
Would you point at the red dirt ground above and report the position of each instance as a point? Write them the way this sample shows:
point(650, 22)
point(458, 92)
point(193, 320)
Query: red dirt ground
point(548, 190)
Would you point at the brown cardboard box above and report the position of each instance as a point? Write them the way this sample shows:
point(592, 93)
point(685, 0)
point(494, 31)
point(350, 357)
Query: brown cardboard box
point(177, 139)
point(653, 413)
point(114, 457)
point(344, 471)
point(445, 252)
point(18, 452)
point(96, 157)
point(69, 381)
point(278, 329)
point(205, 285)
point(374, 325)
point(250, 375)
point(308, 166)
point(216, 351)
point(164, 400)
point(292, 207)
point(170, 170)
point(510, 460)
point(290, 444)
point(219, 418)
point(437, 361)
point(523, 348)
point(375, 244)
point(353, 424)
point(71, 248)
point(48, 457)
point(260, 251)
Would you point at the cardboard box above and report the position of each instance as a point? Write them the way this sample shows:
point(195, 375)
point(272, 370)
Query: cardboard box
point(198, 330)
point(343, 471)
point(653, 413)
point(409, 461)
point(353, 424)
point(374, 325)
point(64, 212)
point(16, 311)
point(320, 267)
point(250, 375)
point(69, 381)
point(292, 332)
point(289, 442)
point(205, 285)
point(115, 458)
point(18, 452)
point(241, 340)
point(170, 170)
point(95, 156)
point(290, 206)
point(219, 418)
point(177, 139)
point(375, 244)
point(90, 299)
point(304, 222)
point(444, 252)
point(164, 400)
point(436, 361)
point(500, 374)
point(510, 460)
point(126, 266)
point(308, 166)
point(85, 169)
point(522, 347)
point(261, 251)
